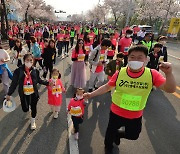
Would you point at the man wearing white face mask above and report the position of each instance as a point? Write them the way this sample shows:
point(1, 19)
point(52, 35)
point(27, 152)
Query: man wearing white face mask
point(133, 85)
point(124, 44)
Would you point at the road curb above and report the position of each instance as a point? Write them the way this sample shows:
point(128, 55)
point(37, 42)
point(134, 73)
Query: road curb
point(174, 57)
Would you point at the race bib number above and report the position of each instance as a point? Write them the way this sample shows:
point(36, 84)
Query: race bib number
point(126, 49)
point(20, 56)
point(56, 90)
point(60, 38)
point(28, 89)
point(102, 57)
point(110, 48)
point(87, 48)
point(81, 57)
point(161, 59)
point(76, 111)
point(130, 102)
point(52, 57)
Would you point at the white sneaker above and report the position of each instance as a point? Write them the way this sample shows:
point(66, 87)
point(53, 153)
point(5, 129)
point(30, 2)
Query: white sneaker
point(33, 124)
point(55, 115)
point(76, 136)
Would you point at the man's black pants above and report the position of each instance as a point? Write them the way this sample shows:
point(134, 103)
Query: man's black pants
point(132, 129)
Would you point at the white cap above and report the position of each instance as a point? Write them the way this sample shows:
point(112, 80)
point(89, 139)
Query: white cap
point(9, 106)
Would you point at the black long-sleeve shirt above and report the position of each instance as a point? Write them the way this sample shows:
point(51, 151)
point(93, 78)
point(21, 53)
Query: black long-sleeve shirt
point(49, 56)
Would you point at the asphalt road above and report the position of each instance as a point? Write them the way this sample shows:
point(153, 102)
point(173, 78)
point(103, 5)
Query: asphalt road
point(160, 132)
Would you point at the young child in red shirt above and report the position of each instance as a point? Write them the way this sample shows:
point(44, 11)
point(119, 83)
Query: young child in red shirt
point(55, 92)
point(76, 110)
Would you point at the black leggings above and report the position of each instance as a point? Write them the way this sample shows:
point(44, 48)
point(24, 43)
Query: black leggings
point(72, 41)
point(66, 44)
point(48, 67)
point(29, 100)
point(39, 61)
point(76, 122)
point(132, 129)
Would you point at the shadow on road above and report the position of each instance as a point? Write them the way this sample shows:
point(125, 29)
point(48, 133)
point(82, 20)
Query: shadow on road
point(52, 134)
point(13, 122)
point(162, 126)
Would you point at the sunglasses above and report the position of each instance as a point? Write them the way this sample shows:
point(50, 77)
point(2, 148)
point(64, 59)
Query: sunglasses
point(81, 43)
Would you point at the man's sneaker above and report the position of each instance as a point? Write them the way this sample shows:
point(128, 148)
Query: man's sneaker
point(108, 150)
point(76, 136)
point(117, 140)
point(33, 124)
point(90, 90)
point(55, 115)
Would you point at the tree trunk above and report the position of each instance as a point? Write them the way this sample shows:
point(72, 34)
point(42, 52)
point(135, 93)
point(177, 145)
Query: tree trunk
point(5, 15)
point(165, 20)
point(26, 14)
point(3, 28)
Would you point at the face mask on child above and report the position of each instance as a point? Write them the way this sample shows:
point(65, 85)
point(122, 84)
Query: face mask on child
point(79, 97)
point(55, 77)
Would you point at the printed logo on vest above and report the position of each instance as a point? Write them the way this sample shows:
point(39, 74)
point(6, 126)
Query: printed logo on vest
point(132, 84)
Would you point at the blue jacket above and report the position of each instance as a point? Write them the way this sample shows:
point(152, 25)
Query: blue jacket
point(8, 70)
point(36, 51)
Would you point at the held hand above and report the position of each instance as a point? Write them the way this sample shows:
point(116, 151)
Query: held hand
point(166, 67)
point(51, 83)
point(8, 97)
point(86, 96)
point(100, 64)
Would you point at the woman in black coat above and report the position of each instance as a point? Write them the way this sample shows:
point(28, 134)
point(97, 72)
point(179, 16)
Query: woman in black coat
point(27, 77)
point(49, 57)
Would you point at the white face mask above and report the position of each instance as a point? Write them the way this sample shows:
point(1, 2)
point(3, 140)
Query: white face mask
point(79, 97)
point(135, 65)
point(128, 36)
point(28, 64)
point(163, 42)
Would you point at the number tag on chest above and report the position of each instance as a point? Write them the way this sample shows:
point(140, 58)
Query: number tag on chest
point(56, 90)
point(130, 102)
point(102, 57)
point(126, 49)
point(81, 57)
point(28, 89)
point(76, 111)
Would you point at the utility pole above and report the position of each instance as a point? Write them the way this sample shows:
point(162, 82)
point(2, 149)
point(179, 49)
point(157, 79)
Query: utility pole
point(129, 11)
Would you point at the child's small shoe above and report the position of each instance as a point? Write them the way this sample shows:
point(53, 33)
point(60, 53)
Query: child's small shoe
point(76, 136)
point(55, 115)
point(73, 131)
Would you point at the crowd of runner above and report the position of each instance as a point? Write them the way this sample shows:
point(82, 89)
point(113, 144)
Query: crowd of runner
point(102, 49)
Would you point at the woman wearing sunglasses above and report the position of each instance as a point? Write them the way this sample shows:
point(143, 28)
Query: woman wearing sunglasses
point(78, 72)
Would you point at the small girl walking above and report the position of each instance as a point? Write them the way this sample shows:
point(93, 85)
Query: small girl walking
point(55, 92)
point(76, 110)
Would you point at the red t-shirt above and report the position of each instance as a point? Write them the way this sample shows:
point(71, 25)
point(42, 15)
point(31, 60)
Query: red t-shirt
point(75, 55)
point(38, 34)
point(91, 37)
point(158, 80)
point(87, 47)
point(100, 68)
point(116, 36)
point(136, 30)
point(76, 103)
point(125, 43)
point(67, 36)
point(60, 37)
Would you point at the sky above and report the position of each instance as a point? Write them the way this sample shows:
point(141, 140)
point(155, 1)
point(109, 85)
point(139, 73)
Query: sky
point(72, 6)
